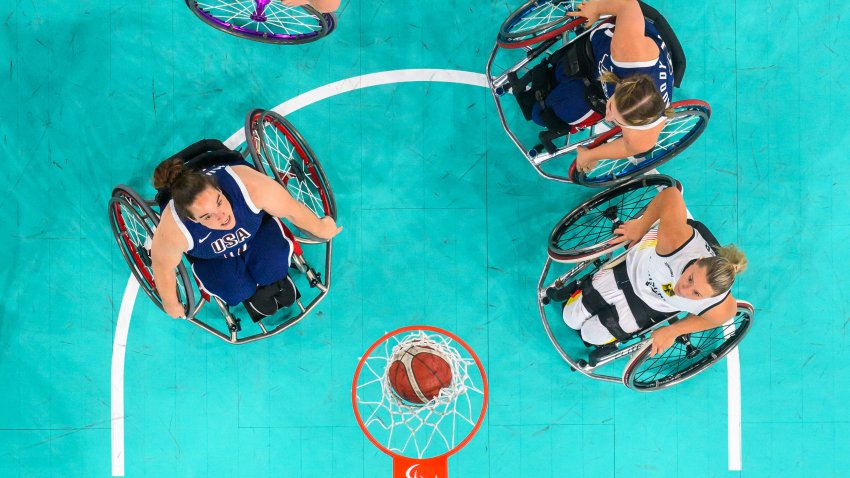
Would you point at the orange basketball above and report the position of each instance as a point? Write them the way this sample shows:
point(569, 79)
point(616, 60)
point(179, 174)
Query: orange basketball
point(419, 374)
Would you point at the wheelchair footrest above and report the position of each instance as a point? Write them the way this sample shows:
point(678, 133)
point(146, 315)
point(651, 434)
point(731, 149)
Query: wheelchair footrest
point(599, 353)
point(547, 138)
point(269, 299)
point(556, 294)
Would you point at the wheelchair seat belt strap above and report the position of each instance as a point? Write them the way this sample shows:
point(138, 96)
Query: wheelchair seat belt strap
point(643, 313)
point(592, 300)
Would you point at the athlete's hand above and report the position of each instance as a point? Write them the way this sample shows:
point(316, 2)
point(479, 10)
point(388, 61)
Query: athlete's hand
point(327, 228)
point(630, 231)
point(174, 309)
point(662, 339)
point(585, 162)
point(588, 10)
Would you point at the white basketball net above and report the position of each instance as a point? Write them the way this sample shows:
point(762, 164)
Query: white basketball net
point(412, 430)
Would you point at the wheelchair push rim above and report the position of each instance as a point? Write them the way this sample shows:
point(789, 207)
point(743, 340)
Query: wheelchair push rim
point(682, 129)
point(267, 21)
point(537, 21)
point(133, 223)
point(279, 150)
point(688, 356)
point(586, 232)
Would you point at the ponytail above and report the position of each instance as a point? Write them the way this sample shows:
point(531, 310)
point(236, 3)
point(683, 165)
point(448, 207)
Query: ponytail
point(722, 269)
point(637, 98)
point(183, 184)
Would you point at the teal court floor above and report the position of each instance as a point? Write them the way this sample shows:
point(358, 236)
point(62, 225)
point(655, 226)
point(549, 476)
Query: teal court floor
point(445, 224)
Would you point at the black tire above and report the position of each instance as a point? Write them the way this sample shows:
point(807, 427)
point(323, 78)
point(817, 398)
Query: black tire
point(279, 150)
point(521, 28)
point(310, 25)
point(133, 223)
point(684, 360)
point(585, 232)
point(682, 129)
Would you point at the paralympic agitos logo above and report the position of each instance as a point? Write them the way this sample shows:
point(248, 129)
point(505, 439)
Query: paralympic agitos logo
point(412, 473)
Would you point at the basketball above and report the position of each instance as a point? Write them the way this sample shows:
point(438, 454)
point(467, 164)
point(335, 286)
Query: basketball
point(419, 374)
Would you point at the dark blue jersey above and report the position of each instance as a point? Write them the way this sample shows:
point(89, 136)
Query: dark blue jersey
point(660, 69)
point(206, 243)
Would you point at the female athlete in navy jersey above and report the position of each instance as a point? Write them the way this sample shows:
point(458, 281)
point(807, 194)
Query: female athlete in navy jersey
point(225, 218)
point(636, 72)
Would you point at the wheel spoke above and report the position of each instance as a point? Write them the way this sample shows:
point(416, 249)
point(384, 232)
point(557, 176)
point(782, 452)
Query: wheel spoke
point(283, 153)
point(541, 16)
point(675, 361)
point(279, 19)
point(591, 227)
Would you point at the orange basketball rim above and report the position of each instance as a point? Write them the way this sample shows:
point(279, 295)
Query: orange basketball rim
point(419, 437)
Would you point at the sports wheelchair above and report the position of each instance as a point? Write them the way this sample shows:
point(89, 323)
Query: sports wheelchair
point(540, 28)
point(578, 247)
point(277, 149)
point(267, 21)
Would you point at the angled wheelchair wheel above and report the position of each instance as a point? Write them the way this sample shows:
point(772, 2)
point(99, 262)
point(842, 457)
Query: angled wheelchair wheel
point(682, 129)
point(689, 354)
point(536, 21)
point(280, 151)
point(585, 233)
point(133, 224)
point(268, 21)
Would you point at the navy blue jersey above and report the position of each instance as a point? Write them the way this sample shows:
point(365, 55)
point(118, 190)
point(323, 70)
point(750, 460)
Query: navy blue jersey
point(660, 69)
point(206, 243)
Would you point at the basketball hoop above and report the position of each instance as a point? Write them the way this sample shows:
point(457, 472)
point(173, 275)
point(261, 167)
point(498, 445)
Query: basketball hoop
point(420, 435)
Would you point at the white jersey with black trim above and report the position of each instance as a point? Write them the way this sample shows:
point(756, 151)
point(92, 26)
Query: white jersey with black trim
point(654, 276)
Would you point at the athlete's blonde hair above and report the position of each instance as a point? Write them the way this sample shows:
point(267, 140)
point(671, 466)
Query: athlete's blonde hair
point(637, 98)
point(720, 270)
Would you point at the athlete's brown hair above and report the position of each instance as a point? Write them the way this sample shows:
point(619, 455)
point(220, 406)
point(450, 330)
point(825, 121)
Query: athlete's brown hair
point(183, 184)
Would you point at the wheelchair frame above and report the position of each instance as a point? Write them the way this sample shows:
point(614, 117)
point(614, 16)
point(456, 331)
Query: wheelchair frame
point(140, 268)
point(600, 356)
point(597, 134)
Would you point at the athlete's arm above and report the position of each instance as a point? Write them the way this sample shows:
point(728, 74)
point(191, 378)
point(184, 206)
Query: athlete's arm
point(271, 197)
point(633, 142)
point(167, 251)
point(630, 42)
point(663, 337)
point(668, 208)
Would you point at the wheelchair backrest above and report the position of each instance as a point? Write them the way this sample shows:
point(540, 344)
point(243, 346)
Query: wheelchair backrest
point(203, 154)
point(669, 37)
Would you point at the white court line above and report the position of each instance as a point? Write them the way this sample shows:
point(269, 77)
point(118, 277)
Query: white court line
point(733, 389)
point(733, 378)
point(119, 349)
point(365, 81)
point(290, 106)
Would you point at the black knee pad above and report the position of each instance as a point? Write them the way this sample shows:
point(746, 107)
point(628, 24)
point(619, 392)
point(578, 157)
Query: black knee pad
point(268, 299)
